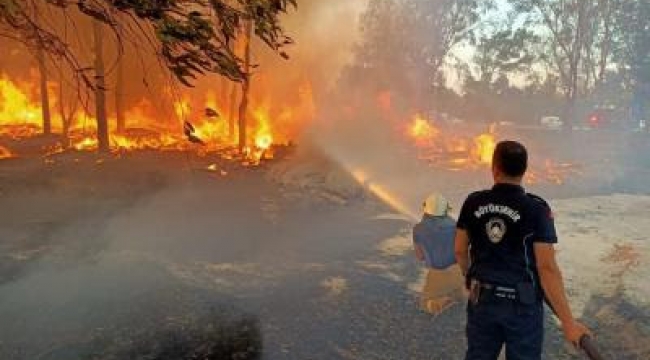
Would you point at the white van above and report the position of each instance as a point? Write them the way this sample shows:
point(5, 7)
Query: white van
point(551, 122)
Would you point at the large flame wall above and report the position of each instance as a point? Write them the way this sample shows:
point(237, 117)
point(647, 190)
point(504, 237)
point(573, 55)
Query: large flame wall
point(270, 120)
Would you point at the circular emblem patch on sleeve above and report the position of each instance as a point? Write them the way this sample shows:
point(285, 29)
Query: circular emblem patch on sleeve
point(496, 229)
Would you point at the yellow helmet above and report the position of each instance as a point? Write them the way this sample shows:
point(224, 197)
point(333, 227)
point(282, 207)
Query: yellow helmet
point(436, 205)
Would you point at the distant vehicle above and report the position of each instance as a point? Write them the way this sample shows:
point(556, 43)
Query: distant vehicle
point(445, 118)
point(552, 122)
point(596, 120)
point(456, 121)
point(452, 120)
point(643, 125)
point(604, 118)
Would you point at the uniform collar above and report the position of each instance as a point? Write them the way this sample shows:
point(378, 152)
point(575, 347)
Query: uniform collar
point(508, 188)
point(428, 217)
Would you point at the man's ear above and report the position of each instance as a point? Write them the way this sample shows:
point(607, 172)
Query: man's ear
point(496, 173)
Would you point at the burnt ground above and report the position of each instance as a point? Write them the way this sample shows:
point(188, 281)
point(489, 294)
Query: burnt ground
point(150, 256)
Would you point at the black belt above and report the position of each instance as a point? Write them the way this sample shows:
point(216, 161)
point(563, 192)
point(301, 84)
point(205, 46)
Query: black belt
point(498, 291)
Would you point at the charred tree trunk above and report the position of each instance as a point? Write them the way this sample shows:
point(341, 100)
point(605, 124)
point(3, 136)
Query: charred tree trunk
point(100, 89)
point(223, 104)
point(232, 110)
point(223, 93)
point(245, 87)
point(119, 96)
point(45, 98)
point(68, 107)
point(230, 99)
point(65, 121)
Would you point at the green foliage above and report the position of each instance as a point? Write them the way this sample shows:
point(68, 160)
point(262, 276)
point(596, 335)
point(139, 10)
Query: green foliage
point(634, 23)
point(9, 7)
point(194, 36)
point(405, 43)
point(505, 52)
point(580, 35)
point(634, 54)
point(566, 55)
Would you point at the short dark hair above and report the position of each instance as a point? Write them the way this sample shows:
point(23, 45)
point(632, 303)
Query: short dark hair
point(511, 158)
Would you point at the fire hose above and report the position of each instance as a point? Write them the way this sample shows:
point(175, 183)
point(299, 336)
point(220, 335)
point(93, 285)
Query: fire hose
point(585, 343)
point(588, 346)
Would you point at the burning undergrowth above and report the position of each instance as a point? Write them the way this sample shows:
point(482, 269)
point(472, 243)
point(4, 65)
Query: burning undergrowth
point(443, 147)
point(448, 150)
point(200, 122)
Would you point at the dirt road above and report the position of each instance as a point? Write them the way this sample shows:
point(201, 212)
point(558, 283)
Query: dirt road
point(152, 256)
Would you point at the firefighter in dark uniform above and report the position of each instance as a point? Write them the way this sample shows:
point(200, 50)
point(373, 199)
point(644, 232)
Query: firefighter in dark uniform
point(504, 246)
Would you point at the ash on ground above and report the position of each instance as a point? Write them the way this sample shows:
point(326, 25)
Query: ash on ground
point(148, 256)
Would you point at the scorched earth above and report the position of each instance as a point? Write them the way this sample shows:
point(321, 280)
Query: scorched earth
point(165, 255)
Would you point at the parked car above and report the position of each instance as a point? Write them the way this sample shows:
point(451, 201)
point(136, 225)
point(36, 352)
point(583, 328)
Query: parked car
point(552, 122)
point(605, 118)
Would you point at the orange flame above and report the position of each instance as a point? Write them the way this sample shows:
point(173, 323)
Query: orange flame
point(5, 153)
point(86, 143)
point(448, 149)
point(263, 134)
point(20, 117)
point(465, 152)
point(484, 145)
point(421, 130)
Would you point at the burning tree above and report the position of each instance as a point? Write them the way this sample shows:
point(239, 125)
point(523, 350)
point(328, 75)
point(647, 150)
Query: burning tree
point(42, 68)
point(191, 38)
point(100, 88)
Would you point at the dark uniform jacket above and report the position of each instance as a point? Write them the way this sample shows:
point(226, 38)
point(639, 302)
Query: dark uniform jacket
point(502, 225)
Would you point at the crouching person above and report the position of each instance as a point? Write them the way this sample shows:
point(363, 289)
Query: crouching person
point(433, 239)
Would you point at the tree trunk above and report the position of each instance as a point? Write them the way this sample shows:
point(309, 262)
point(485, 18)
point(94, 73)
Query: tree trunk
point(45, 98)
point(229, 89)
point(232, 110)
point(606, 43)
point(223, 94)
point(574, 63)
point(119, 96)
point(245, 86)
point(100, 89)
point(568, 112)
point(65, 122)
